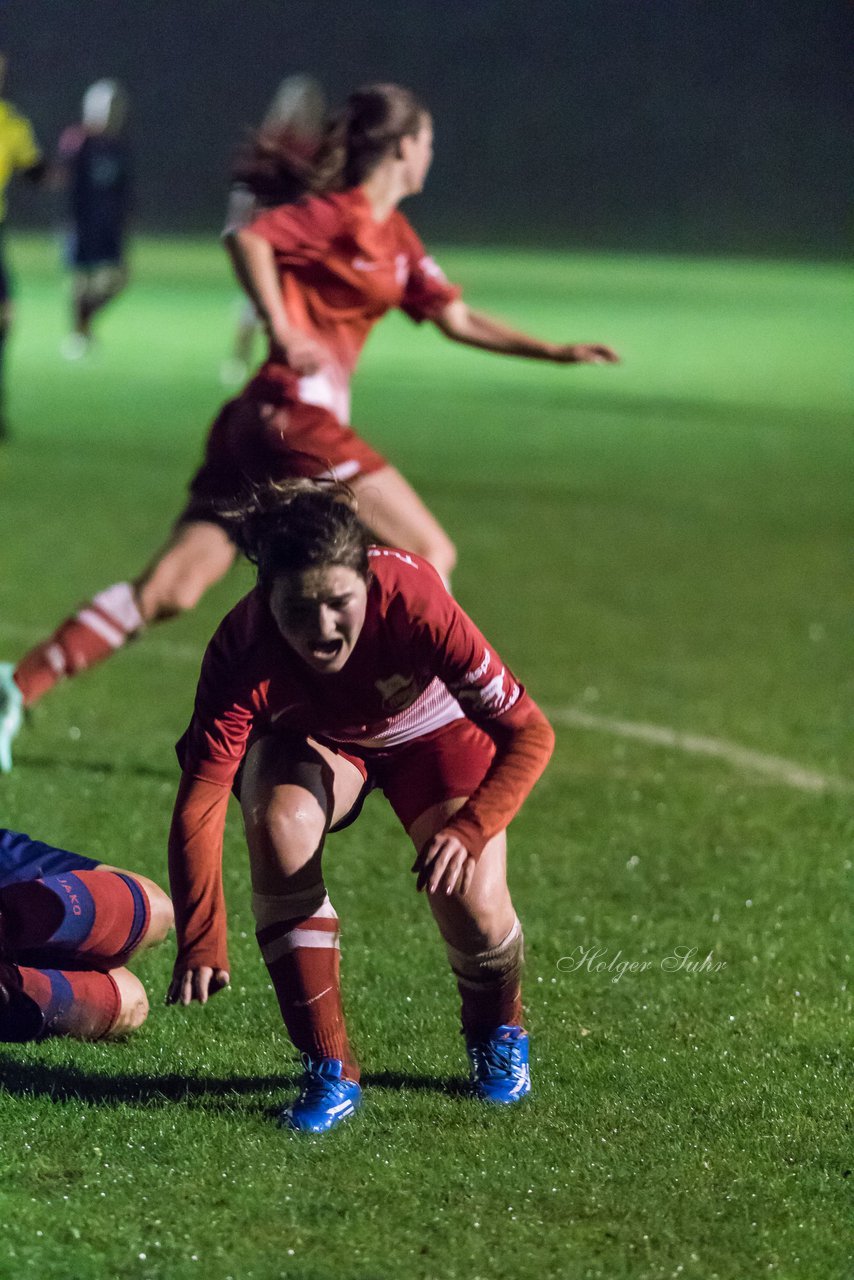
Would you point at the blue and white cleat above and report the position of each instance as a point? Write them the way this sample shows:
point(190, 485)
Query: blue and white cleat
point(327, 1098)
point(499, 1065)
point(11, 714)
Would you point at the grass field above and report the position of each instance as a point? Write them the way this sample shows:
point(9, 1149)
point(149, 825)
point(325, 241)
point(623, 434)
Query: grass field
point(655, 546)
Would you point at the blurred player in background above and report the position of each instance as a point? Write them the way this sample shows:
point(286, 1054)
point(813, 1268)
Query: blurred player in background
point(348, 668)
point(321, 272)
point(272, 168)
point(19, 153)
point(94, 168)
point(68, 925)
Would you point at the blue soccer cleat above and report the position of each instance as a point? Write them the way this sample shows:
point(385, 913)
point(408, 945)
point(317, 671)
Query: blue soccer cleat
point(499, 1065)
point(327, 1098)
point(11, 714)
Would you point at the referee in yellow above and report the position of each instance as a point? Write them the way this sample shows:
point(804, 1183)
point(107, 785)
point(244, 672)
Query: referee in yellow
point(19, 153)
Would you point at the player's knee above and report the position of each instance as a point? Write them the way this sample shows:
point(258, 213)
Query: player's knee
point(133, 1004)
point(164, 596)
point(293, 826)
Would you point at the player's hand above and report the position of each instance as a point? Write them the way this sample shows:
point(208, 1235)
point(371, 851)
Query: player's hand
point(444, 865)
point(303, 354)
point(188, 985)
point(585, 353)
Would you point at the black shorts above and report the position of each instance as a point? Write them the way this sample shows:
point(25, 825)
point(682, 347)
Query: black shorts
point(96, 244)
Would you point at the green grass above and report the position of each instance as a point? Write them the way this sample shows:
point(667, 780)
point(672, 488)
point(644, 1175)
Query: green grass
point(660, 542)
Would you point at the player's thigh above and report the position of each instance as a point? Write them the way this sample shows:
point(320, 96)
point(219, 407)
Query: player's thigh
point(393, 510)
point(292, 790)
point(196, 556)
point(484, 915)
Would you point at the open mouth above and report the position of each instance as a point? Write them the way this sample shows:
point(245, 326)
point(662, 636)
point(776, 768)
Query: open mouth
point(325, 650)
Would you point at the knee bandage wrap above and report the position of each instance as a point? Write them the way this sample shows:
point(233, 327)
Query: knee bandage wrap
point(494, 967)
point(276, 908)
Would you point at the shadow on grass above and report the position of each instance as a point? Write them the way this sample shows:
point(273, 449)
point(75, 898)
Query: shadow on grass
point(65, 1083)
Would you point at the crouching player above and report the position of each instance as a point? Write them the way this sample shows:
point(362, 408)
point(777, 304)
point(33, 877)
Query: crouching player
point(351, 667)
point(68, 925)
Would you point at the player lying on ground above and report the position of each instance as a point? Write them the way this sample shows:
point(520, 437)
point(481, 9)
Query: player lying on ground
point(322, 273)
point(350, 667)
point(68, 926)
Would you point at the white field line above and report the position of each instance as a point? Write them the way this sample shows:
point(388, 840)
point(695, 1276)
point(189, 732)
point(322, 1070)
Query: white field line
point(775, 768)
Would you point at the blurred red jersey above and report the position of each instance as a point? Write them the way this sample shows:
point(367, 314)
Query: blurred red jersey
point(418, 664)
point(340, 272)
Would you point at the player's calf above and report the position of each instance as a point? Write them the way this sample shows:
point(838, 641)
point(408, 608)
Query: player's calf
point(86, 1004)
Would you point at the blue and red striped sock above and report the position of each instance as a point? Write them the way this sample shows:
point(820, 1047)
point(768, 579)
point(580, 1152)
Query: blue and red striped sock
point(98, 916)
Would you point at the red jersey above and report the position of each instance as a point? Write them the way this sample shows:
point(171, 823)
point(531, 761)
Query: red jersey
point(419, 663)
point(340, 272)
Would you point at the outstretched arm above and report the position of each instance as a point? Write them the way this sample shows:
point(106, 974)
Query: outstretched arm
point(476, 329)
point(255, 267)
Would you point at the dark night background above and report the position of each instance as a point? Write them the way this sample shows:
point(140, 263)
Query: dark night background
point(672, 125)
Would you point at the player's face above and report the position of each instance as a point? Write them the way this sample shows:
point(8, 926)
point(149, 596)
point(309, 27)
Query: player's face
point(417, 152)
point(320, 613)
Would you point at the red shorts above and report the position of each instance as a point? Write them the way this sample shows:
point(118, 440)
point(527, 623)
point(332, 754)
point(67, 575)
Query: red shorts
point(447, 764)
point(268, 434)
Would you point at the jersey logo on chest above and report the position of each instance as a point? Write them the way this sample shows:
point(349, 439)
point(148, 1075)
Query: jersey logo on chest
point(397, 692)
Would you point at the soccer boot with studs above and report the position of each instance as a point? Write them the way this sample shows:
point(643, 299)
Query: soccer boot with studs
point(327, 1098)
point(499, 1065)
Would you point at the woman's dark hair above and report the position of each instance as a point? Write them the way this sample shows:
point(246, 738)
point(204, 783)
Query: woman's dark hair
point(279, 163)
point(373, 121)
point(275, 165)
point(293, 525)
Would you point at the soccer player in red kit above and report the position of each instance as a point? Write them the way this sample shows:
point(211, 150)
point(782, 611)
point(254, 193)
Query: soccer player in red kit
point(321, 273)
point(350, 667)
point(68, 926)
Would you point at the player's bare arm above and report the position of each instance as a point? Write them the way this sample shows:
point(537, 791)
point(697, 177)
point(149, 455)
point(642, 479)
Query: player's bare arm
point(255, 267)
point(461, 323)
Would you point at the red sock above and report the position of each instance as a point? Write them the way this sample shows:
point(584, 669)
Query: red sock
point(100, 916)
point(487, 1007)
point(97, 629)
point(302, 958)
point(53, 1002)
